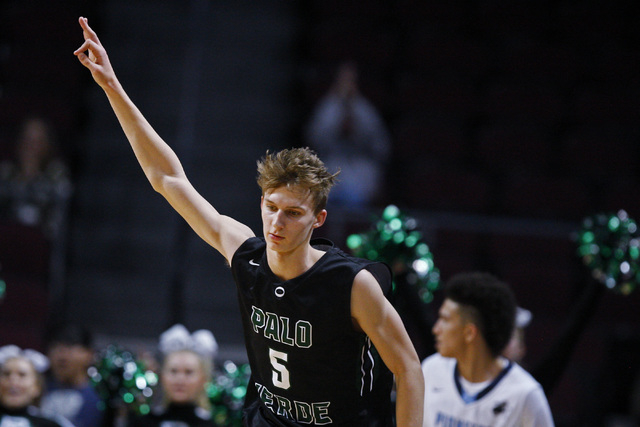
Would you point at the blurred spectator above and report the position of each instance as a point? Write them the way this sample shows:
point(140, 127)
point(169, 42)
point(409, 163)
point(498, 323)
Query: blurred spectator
point(516, 349)
point(21, 385)
point(187, 366)
point(349, 134)
point(35, 186)
point(69, 392)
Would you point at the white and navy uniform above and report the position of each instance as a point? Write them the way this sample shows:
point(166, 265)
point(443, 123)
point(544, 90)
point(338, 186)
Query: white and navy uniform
point(309, 366)
point(514, 398)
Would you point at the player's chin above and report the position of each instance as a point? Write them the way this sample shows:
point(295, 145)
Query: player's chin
point(278, 248)
point(274, 245)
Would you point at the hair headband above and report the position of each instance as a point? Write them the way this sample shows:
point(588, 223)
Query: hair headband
point(178, 338)
point(39, 361)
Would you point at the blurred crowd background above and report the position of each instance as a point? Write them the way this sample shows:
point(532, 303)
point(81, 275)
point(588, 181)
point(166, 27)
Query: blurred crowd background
point(505, 124)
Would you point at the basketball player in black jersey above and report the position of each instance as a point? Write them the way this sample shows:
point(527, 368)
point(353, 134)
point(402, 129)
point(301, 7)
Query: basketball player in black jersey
point(315, 319)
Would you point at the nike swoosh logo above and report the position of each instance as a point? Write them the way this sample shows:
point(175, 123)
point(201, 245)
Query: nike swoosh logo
point(252, 262)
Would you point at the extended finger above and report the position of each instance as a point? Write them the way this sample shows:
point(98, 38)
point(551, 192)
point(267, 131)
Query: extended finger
point(87, 31)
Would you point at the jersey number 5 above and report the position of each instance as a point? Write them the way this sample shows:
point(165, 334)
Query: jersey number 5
point(280, 375)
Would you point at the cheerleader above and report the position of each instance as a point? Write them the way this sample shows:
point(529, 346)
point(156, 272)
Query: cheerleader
point(186, 368)
point(21, 386)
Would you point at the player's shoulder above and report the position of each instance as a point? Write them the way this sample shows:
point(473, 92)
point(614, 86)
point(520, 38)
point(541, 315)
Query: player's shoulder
point(520, 380)
point(437, 358)
point(367, 270)
point(437, 362)
point(438, 371)
point(250, 248)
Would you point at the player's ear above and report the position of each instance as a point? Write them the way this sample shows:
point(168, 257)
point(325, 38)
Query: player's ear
point(320, 218)
point(470, 332)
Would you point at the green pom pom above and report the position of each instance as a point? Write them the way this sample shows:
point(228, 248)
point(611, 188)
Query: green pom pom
point(227, 392)
point(122, 381)
point(609, 247)
point(395, 240)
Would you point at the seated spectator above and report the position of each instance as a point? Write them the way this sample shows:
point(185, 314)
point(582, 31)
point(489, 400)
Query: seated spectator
point(69, 392)
point(21, 385)
point(35, 185)
point(186, 368)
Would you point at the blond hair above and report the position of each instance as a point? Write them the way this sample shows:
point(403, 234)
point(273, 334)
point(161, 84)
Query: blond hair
point(299, 167)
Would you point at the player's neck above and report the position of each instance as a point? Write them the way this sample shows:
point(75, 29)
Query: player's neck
point(289, 265)
point(478, 366)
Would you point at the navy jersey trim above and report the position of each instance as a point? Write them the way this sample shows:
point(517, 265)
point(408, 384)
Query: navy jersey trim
point(469, 398)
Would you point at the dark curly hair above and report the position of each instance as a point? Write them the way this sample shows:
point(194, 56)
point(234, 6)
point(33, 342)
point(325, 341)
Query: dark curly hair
point(490, 304)
point(296, 167)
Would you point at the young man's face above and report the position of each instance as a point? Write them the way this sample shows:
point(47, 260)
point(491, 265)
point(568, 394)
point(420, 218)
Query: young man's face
point(288, 218)
point(69, 362)
point(449, 330)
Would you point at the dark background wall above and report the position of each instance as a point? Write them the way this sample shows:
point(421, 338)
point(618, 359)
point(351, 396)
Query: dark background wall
point(511, 121)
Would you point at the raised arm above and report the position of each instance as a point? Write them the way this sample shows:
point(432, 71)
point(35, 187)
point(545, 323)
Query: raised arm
point(158, 161)
point(381, 322)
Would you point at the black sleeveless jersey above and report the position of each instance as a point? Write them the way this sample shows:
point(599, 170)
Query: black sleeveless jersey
point(309, 365)
point(29, 417)
point(175, 416)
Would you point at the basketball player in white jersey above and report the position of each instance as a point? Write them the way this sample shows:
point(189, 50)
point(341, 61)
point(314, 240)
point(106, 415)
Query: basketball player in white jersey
point(468, 382)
